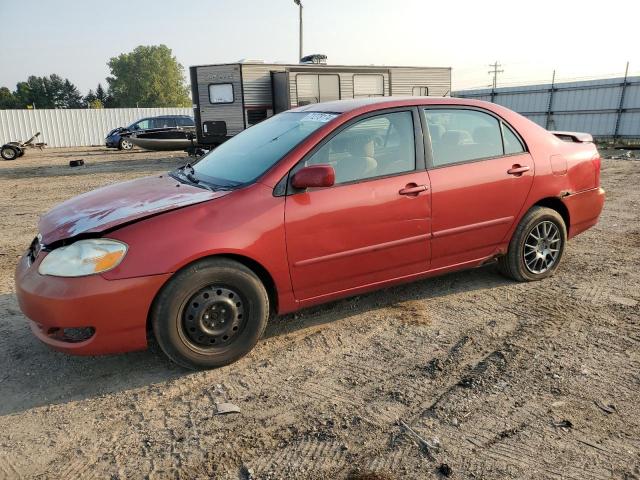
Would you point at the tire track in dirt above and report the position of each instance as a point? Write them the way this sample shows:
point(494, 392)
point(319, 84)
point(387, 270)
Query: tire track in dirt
point(8, 471)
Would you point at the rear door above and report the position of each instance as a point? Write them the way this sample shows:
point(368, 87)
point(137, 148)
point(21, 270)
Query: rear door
point(480, 175)
point(374, 223)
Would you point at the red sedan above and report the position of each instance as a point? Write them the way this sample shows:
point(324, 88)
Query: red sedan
point(317, 203)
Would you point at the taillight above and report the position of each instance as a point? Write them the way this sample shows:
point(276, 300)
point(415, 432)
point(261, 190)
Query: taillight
point(597, 162)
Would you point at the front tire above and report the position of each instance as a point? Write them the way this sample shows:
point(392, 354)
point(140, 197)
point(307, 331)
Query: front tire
point(537, 246)
point(210, 314)
point(125, 144)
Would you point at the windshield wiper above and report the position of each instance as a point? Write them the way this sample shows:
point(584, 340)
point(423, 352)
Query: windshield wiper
point(188, 172)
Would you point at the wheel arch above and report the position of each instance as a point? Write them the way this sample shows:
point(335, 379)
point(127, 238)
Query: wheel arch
point(555, 203)
point(253, 265)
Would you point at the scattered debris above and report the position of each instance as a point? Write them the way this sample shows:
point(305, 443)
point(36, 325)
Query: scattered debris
point(445, 470)
point(427, 447)
point(628, 155)
point(584, 442)
point(246, 473)
point(606, 407)
point(227, 408)
point(76, 163)
point(474, 442)
point(563, 424)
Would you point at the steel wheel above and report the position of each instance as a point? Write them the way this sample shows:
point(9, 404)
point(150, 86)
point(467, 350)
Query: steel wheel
point(210, 313)
point(212, 318)
point(542, 247)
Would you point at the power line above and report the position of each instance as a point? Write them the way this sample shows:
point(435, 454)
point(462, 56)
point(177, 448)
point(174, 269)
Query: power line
point(495, 72)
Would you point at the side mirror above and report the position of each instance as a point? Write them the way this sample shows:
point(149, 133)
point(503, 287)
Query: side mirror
point(314, 176)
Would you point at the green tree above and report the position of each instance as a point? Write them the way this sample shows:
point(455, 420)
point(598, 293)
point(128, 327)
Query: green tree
point(101, 94)
point(89, 98)
point(48, 92)
point(7, 99)
point(71, 97)
point(150, 76)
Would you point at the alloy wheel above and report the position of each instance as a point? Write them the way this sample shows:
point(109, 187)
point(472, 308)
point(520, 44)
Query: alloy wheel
point(542, 247)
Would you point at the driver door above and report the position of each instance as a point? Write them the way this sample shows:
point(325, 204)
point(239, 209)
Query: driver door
point(374, 224)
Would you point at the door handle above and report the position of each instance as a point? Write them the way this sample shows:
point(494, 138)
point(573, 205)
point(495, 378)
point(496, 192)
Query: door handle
point(518, 169)
point(413, 189)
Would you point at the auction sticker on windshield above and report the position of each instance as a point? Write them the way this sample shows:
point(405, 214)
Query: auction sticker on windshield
point(318, 117)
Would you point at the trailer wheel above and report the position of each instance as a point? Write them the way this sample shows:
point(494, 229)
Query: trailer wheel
point(9, 152)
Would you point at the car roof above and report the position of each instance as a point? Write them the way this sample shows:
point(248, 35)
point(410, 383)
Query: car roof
point(377, 103)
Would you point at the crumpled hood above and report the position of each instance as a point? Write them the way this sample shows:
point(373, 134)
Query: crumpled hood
point(114, 205)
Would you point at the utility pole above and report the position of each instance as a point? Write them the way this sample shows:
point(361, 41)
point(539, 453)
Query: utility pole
point(550, 121)
point(621, 104)
point(495, 72)
point(299, 3)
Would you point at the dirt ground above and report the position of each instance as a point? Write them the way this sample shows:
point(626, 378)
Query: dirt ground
point(490, 378)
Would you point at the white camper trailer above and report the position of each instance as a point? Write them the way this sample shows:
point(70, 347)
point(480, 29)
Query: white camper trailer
point(227, 98)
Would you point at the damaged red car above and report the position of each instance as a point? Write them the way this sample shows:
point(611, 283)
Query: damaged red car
point(316, 203)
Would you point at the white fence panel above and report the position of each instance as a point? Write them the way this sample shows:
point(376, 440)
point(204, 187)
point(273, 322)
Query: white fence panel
point(594, 106)
point(73, 127)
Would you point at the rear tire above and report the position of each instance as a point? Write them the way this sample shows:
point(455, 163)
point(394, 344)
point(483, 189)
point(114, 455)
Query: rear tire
point(210, 314)
point(537, 246)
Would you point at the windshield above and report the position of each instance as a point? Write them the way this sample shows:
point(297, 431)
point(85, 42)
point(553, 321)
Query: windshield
point(252, 152)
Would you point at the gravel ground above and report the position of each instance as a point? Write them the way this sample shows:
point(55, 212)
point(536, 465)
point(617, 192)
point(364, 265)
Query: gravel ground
point(469, 371)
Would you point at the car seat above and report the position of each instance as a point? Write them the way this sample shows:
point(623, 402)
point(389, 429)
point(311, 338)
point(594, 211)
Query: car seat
point(361, 163)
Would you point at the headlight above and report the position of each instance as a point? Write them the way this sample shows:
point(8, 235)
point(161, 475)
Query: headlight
point(84, 257)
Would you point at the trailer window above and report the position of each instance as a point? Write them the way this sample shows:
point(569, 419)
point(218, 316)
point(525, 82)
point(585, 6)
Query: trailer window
point(314, 88)
point(221, 93)
point(367, 85)
point(420, 91)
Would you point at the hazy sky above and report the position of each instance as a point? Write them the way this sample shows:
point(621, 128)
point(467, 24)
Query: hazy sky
point(75, 38)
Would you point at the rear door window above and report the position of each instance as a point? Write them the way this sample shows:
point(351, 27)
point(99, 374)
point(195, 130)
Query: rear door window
point(459, 135)
point(163, 122)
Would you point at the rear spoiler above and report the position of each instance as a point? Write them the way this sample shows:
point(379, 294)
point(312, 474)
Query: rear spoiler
point(575, 137)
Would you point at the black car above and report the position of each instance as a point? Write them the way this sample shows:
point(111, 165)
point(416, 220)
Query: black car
point(116, 140)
